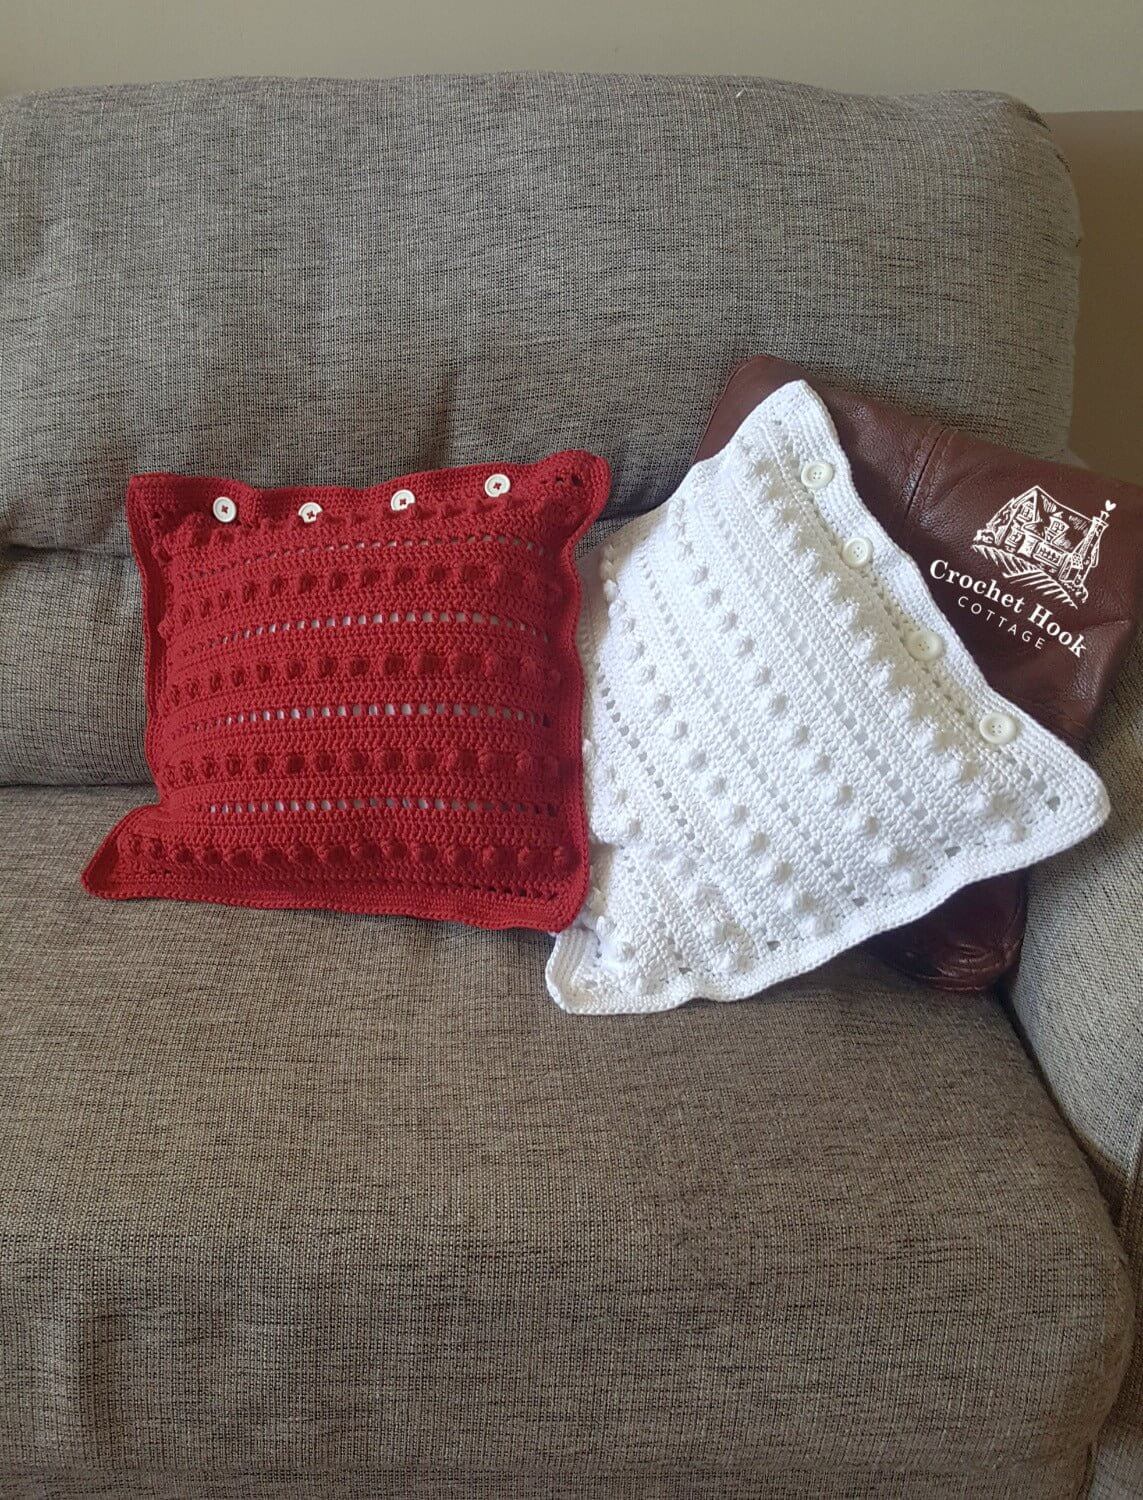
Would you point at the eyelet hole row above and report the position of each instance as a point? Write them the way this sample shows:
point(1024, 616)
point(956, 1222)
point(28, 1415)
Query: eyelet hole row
point(501, 539)
point(397, 711)
point(381, 617)
point(390, 803)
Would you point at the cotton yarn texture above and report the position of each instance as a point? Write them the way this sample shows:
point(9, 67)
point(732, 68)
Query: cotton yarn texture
point(363, 700)
point(787, 748)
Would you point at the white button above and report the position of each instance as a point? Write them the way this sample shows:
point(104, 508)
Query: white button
point(998, 728)
point(224, 508)
point(497, 484)
point(817, 474)
point(857, 551)
point(402, 500)
point(924, 645)
point(309, 511)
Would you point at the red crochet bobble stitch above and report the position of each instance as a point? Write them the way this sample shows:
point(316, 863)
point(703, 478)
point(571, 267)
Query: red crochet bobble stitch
point(364, 700)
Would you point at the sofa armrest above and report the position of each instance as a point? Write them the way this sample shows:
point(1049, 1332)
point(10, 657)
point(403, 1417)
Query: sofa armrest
point(1078, 996)
point(1078, 1000)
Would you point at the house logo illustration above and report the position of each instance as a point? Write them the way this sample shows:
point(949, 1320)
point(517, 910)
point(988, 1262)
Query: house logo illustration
point(1043, 544)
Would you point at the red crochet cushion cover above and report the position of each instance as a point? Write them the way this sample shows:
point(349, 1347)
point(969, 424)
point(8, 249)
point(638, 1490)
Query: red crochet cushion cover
point(363, 700)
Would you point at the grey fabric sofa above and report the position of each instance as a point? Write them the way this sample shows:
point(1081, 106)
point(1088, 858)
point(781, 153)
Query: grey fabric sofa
point(306, 1204)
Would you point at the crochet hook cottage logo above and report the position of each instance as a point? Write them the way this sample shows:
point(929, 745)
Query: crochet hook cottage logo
point(1043, 544)
point(1040, 544)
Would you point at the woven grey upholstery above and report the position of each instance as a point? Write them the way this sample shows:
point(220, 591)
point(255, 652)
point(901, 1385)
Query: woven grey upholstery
point(71, 673)
point(1079, 999)
point(331, 1195)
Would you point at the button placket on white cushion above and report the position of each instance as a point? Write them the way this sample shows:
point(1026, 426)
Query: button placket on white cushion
point(817, 473)
point(998, 728)
point(923, 644)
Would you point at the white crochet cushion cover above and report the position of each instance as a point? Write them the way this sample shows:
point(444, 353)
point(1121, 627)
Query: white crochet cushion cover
point(787, 747)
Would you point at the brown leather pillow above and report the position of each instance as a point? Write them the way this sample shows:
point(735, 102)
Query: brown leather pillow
point(1039, 568)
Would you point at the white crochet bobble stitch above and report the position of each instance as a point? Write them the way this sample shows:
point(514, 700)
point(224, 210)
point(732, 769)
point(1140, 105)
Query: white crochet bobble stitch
point(796, 772)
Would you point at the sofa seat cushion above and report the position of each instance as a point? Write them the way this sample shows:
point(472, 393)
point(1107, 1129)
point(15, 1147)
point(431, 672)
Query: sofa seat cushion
point(292, 1194)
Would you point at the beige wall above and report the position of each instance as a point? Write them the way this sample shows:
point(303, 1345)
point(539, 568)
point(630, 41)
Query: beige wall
point(1061, 54)
point(1105, 151)
point(1082, 63)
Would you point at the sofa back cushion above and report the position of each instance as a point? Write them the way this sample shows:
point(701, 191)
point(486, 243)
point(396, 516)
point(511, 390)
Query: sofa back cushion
point(291, 280)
